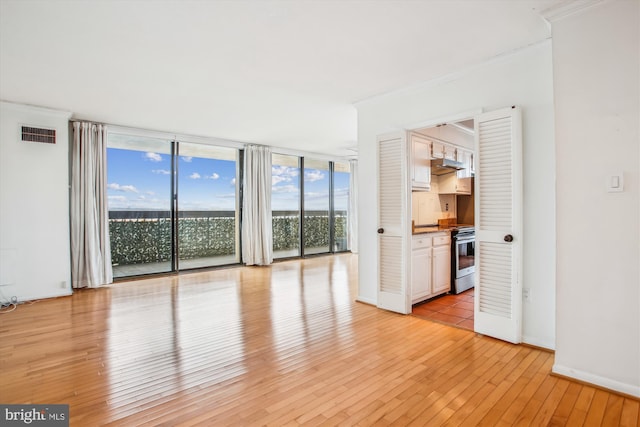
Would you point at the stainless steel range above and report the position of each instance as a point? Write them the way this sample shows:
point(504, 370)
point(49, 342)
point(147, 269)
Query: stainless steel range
point(463, 268)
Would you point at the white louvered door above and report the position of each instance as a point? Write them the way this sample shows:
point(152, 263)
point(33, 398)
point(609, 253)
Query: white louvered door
point(393, 239)
point(498, 194)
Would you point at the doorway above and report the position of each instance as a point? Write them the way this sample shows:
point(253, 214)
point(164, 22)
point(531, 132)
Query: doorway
point(448, 206)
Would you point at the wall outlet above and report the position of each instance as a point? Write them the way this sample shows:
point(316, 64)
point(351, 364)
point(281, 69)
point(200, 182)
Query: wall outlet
point(526, 294)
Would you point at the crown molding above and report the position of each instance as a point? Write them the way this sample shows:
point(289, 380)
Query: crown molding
point(566, 8)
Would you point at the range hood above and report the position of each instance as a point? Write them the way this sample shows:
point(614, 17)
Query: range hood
point(445, 166)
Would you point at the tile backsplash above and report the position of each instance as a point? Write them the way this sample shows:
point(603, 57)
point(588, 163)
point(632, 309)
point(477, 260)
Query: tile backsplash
point(428, 207)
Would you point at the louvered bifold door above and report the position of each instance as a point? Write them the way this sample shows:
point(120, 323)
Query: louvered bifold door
point(392, 223)
point(498, 221)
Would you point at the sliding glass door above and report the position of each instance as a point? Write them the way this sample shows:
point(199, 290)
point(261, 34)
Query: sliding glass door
point(139, 194)
point(285, 205)
point(316, 206)
point(172, 205)
point(340, 190)
point(315, 220)
point(207, 206)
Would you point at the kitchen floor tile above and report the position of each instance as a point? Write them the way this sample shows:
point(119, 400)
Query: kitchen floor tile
point(447, 299)
point(436, 305)
point(452, 309)
point(460, 312)
point(466, 324)
point(423, 310)
point(466, 298)
point(464, 304)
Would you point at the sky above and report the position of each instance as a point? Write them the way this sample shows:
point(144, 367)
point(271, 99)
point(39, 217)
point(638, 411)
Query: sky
point(141, 180)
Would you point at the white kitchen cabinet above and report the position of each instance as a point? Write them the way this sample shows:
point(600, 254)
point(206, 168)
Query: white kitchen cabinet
point(466, 158)
point(420, 267)
point(420, 163)
point(430, 265)
point(450, 152)
point(441, 266)
point(437, 150)
point(451, 184)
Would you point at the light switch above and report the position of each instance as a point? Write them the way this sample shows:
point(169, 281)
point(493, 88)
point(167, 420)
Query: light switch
point(615, 183)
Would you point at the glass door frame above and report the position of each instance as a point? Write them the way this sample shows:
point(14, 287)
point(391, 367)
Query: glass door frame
point(331, 211)
point(173, 153)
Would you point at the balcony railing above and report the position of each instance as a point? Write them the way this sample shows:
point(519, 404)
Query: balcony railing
point(139, 237)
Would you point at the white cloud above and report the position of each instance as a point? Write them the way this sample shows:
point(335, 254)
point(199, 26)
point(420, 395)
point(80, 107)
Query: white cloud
point(122, 202)
point(341, 192)
point(233, 182)
point(187, 159)
point(313, 175)
point(315, 195)
point(226, 196)
point(213, 176)
point(195, 175)
point(126, 188)
point(285, 189)
point(151, 193)
point(283, 174)
point(277, 179)
point(161, 171)
point(154, 157)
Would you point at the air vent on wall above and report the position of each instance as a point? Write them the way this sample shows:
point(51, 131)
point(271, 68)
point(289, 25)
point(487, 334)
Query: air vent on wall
point(33, 134)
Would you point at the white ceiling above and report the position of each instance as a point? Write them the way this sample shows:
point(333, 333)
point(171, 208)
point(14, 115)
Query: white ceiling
point(281, 73)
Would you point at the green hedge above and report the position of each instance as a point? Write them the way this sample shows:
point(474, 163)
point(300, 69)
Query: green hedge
point(141, 241)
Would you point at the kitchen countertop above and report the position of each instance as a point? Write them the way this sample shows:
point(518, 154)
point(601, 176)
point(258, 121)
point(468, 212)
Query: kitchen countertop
point(436, 229)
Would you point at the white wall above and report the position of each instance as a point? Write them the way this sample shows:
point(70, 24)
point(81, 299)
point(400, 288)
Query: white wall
point(596, 57)
point(34, 206)
point(523, 78)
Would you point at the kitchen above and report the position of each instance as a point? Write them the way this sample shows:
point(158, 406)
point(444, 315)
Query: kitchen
point(442, 213)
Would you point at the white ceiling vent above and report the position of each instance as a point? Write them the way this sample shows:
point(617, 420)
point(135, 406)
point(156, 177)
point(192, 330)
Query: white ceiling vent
point(34, 134)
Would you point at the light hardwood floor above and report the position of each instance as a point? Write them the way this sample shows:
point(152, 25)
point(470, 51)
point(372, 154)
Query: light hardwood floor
point(279, 345)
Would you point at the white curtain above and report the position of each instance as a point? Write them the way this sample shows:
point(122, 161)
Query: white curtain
point(353, 207)
point(257, 239)
point(90, 247)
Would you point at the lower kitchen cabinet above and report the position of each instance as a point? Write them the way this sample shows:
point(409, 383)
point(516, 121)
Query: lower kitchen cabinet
point(441, 263)
point(420, 268)
point(430, 265)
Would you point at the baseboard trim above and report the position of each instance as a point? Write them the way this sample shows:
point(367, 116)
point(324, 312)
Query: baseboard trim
point(534, 342)
point(596, 380)
point(366, 301)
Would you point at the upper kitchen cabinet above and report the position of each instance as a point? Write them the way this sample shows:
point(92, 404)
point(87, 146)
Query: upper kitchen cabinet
point(466, 158)
point(420, 163)
point(437, 150)
point(440, 150)
point(451, 184)
point(450, 152)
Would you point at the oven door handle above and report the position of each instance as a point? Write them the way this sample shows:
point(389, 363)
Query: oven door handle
point(466, 240)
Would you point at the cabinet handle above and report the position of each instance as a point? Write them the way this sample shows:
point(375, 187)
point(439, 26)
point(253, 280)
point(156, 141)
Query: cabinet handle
point(508, 238)
point(380, 230)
